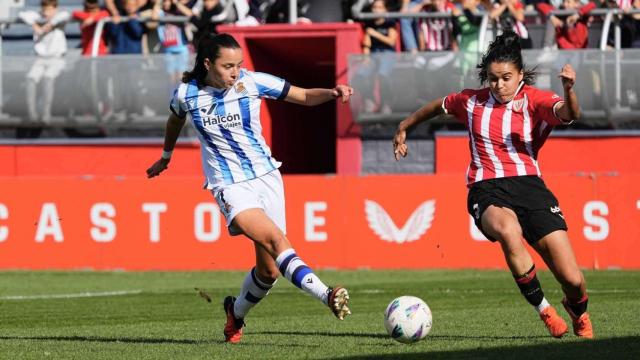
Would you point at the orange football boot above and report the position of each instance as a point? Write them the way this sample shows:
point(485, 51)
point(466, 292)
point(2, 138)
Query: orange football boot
point(554, 323)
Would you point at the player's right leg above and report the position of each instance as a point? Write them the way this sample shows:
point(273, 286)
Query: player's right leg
point(501, 224)
point(557, 253)
point(255, 287)
point(256, 225)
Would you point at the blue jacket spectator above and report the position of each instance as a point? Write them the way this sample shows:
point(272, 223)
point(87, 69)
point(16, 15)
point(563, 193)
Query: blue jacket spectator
point(125, 37)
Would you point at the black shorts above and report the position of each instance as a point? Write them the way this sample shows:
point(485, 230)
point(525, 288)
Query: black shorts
point(537, 209)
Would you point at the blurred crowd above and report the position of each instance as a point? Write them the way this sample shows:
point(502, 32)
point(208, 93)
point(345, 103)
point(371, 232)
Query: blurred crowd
point(461, 31)
point(459, 35)
point(131, 29)
point(172, 27)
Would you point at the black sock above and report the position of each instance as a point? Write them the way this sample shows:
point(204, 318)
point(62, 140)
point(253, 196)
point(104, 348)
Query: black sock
point(579, 307)
point(530, 287)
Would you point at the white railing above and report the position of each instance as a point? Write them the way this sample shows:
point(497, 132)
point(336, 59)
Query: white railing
point(607, 82)
point(97, 34)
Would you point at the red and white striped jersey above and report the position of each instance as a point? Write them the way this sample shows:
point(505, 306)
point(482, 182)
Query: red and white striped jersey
point(625, 4)
point(438, 33)
point(504, 138)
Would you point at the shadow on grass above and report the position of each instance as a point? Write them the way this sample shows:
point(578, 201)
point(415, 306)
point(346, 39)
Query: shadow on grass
point(113, 339)
point(612, 348)
point(134, 340)
point(319, 334)
point(385, 336)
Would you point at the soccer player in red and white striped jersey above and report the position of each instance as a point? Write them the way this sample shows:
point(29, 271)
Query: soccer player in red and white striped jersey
point(508, 122)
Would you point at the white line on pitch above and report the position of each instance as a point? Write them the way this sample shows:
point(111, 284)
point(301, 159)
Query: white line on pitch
point(71, 296)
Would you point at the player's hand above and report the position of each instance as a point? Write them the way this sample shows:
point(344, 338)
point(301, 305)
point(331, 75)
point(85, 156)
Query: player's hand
point(342, 91)
point(573, 19)
point(116, 19)
point(157, 167)
point(568, 76)
point(400, 149)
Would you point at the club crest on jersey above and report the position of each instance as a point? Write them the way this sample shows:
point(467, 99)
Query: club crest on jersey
point(517, 104)
point(240, 89)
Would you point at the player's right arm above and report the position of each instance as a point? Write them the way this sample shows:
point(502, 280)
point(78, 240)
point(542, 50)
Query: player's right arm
point(426, 112)
point(174, 125)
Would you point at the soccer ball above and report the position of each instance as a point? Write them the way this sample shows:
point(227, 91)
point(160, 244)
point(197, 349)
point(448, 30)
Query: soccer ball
point(407, 319)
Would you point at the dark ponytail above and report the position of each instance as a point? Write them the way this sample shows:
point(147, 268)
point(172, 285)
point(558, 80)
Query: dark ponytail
point(505, 48)
point(209, 47)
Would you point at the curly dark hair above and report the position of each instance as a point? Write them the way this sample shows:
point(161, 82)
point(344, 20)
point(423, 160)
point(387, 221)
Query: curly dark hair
point(505, 48)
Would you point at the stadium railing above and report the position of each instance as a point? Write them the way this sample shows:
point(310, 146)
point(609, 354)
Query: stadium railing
point(608, 82)
point(610, 94)
point(609, 16)
point(92, 91)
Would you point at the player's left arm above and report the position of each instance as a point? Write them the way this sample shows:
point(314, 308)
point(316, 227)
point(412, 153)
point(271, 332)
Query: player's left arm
point(316, 96)
point(569, 110)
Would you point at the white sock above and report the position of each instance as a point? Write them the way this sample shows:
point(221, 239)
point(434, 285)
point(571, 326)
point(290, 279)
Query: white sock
point(543, 305)
point(296, 271)
point(253, 290)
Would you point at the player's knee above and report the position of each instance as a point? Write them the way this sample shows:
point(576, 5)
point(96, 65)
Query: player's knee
point(573, 279)
point(507, 232)
point(268, 275)
point(277, 241)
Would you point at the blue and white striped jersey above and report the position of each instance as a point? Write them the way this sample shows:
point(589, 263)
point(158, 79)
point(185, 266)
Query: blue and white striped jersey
point(228, 126)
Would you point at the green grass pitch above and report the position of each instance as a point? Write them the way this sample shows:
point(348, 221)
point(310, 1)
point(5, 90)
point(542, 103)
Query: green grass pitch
point(158, 315)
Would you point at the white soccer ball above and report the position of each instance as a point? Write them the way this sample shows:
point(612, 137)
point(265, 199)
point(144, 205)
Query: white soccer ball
point(407, 319)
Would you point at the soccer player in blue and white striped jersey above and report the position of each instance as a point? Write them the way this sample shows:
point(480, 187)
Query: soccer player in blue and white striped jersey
point(223, 101)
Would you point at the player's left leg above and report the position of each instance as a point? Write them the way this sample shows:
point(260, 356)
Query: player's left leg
point(255, 287)
point(557, 253)
point(255, 224)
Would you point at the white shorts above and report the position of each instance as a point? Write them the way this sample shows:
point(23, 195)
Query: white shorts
point(46, 67)
point(265, 192)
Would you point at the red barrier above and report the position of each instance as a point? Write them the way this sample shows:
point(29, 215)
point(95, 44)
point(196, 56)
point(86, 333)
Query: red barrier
point(94, 160)
point(333, 221)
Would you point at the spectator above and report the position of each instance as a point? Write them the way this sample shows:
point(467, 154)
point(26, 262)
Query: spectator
point(380, 38)
point(202, 20)
point(409, 26)
point(278, 11)
point(125, 36)
point(572, 32)
point(630, 38)
point(437, 33)
point(50, 45)
point(509, 15)
point(467, 24)
point(467, 21)
point(629, 25)
point(150, 40)
point(172, 37)
point(117, 8)
point(88, 19)
point(631, 28)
